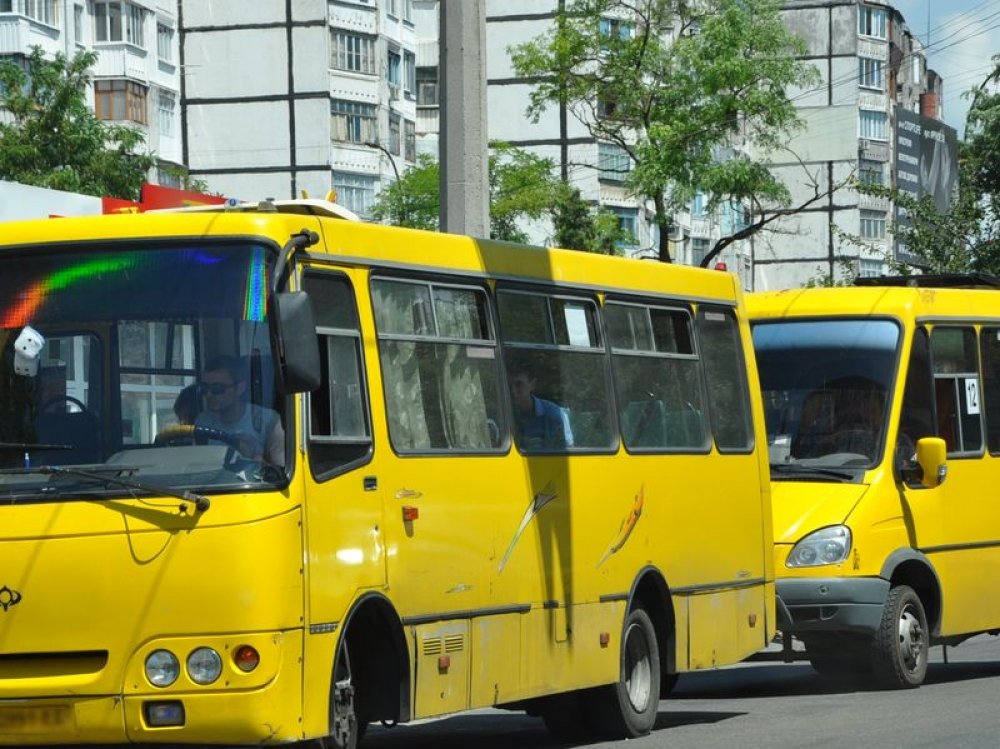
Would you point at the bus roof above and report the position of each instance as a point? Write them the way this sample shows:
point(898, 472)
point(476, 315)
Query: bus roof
point(357, 243)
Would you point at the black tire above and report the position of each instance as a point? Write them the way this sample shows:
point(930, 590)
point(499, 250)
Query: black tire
point(899, 649)
point(628, 708)
point(345, 729)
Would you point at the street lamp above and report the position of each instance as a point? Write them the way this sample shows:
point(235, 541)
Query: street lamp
point(392, 162)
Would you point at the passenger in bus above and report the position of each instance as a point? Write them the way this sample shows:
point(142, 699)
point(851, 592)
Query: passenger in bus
point(258, 430)
point(187, 405)
point(539, 423)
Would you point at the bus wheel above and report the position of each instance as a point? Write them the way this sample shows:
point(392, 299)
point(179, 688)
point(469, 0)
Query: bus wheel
point(899, 650)
point(344, 728)
point(628, 709)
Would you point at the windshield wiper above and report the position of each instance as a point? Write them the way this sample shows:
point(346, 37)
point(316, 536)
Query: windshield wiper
point(200, 501)
point(790, 469)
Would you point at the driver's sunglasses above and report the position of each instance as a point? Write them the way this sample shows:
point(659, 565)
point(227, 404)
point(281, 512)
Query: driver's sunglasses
point(215, 388)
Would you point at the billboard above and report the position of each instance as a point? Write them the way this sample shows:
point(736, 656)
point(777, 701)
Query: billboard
point(926, 164)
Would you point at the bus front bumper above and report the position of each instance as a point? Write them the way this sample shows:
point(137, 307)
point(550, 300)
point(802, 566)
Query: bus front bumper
point(831, 604)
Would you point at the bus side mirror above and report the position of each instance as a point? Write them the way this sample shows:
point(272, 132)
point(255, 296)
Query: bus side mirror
point(930, 467)
point(293, 339)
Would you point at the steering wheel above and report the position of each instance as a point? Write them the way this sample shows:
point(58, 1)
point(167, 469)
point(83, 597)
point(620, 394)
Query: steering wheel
point(57, 399)
point(193, 434)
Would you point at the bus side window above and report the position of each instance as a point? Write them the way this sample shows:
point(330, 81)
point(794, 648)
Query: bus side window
point(725, 370)
point(989, 346)
point(657, 377)
point(440, 367)
point(954, 355)
point(339, 424)
point(556, 372)
point(917, 419)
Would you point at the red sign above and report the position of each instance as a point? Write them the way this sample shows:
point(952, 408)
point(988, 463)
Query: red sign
point(152, 197)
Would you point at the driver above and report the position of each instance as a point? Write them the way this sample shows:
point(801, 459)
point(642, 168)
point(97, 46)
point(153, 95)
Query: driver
point(258, 430)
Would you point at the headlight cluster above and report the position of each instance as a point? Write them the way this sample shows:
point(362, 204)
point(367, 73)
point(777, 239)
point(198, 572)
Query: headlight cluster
point(825, 546)
point(204, 665)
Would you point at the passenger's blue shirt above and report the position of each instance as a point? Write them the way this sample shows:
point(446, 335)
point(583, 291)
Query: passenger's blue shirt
point(546, 427)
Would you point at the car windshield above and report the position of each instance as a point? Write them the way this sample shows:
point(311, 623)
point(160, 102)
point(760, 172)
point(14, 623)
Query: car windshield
point(147, 360)
point(826, 387)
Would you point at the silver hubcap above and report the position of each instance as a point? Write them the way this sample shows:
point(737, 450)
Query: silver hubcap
point(911, 639)
point(638, 673)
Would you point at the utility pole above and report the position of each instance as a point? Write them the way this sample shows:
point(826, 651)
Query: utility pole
point(463, 140)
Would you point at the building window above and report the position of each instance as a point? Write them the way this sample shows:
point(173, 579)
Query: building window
point(409, 140)
point(616, 28)
point(353, 121)
point(873, 224)
point(78, 23)
point(872, 21)
point(392, 69)
point(356, 192)
point(872, 125)
point(427, 87)
point(607, 107)
point(43, 11)
point(394, 135)
point(121, 100)
point(117, 21)
point(392, 8)
point(871, 73)
point(699, 248)
point(871, 172)
point(164, 42)
point(409, 74)
point(870, 268)
point(352, 52)
point(699, 205)
point(613, 162)
point(627, 221)
point(408, 10)
point(167, 108)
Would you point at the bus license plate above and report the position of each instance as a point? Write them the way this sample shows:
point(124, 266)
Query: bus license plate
point(34, 719)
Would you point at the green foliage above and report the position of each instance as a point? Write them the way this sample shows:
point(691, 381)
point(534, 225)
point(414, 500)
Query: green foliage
point(577, 227)
point(55, 140)
point(677, 106)
point(521, 187)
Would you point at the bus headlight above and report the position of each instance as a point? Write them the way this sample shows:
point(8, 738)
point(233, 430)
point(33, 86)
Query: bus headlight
point(204, 666)
point(162, 668)
point(825, 546)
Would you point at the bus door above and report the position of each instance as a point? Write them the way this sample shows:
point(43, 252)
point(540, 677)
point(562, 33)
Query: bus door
point(343, 507)
point(954, 524)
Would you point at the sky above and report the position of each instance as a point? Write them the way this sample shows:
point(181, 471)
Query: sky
point(961, 36)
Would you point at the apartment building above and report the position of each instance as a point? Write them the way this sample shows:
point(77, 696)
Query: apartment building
point(283, 98)
point(137, 77)
point(875, 116)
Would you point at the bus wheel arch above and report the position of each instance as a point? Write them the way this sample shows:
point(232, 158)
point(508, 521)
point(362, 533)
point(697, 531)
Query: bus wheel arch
point(373, 655)
point(910, 567)
point(651, 593)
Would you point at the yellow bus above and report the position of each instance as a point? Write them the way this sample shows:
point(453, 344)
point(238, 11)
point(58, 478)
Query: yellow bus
point(882, 406)
point(418, 473)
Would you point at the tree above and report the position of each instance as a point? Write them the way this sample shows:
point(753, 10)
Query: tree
point(521, 187)
point(678, 86)
point(577, 227)
point(54, 139)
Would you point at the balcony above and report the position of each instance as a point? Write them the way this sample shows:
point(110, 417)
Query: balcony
point(19, 33)
point(121, 60)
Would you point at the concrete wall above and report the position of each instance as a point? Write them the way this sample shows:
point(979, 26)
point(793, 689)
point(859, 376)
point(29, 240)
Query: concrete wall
point(18, 202)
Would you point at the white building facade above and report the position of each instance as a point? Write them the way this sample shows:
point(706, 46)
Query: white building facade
point(137, 77)
point(283, 98)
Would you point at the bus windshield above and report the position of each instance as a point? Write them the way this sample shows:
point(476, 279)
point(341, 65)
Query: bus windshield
point(150, 361)
point(826, 387)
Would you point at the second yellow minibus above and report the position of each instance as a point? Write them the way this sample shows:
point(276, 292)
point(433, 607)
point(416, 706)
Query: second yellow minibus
point(882, 406)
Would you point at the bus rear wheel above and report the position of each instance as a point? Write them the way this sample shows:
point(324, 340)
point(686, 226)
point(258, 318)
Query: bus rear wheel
point(628, 708)
point(345, 729)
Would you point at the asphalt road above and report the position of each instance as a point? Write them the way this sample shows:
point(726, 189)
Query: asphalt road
point(772, 706)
